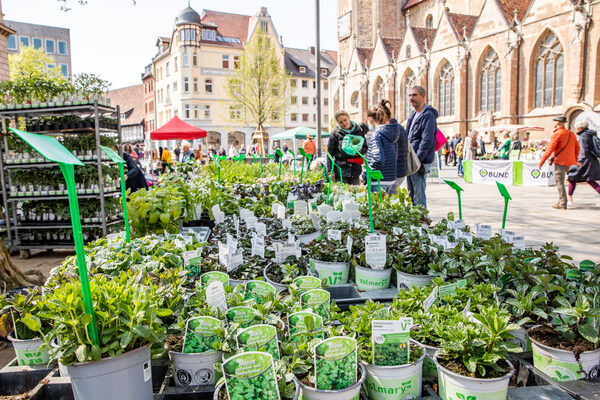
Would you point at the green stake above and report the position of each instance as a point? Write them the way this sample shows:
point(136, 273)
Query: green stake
point(293, 160)
point(506, 195)
point(261, 164)
point(369, 172)
point(114, 157)
point(253, 158)
point(280, 155)
point(379, 176)
point(458, 189)
point(218, 169)
point(52, 150)
point(333, 165)
point(303, 153)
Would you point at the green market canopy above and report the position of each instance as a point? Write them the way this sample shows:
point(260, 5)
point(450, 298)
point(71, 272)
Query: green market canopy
point(298, 133)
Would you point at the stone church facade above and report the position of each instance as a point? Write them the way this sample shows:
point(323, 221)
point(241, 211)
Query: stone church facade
point(483, 62)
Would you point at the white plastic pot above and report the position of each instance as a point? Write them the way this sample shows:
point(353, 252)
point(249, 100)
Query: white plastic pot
point(372, 279)
point(336, 273)
point(192, 369)
point(562, 366)
point(29, 351)
point(279, 286)
point(306, 239)
point(406, 281)
point(311, 393)
point(394, 383)
point(455, 386)
point(429, 367)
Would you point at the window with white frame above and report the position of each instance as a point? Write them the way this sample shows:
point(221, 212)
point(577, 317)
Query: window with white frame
point(186, 84)
point(24, 41)
point(195, 85)
point(186, 111)
point(302, 70)
point(206, 108)
point(186, 59)
point(208, 85)
point(196, 111)
point(11, 44)
point(305, 84)
point(235, 113)
point(50, 46)
point(37, 43)
point(446, 92)
point(62, 47)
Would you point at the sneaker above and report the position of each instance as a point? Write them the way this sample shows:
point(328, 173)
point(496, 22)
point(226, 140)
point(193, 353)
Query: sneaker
point(559, 207)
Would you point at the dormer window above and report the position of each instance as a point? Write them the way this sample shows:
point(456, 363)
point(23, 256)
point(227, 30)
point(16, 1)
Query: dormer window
point(323, 71)
point(302, 70)
point(209, 34)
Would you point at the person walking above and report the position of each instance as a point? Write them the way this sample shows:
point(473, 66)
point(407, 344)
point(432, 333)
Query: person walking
point(562, 152)
point(309, 146)
point(587, 168)
point(134, 177)
point(382, 153)
point(421, 128)
point(350, 166)
point(166, 160)
point(460, 151)
point(455, 141)
point(447, 150)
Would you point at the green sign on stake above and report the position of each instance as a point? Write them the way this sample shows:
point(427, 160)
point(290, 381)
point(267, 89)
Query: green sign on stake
point(379, 176)
point(114, 157)
point(303, 153)
point(52, 150)
point(280, 155)
point(293, 160)
point(458, 189)
point(506, 195)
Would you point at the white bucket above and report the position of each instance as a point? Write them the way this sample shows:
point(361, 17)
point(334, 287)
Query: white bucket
point(29, 353)
point(406, 281)
point(336, 273)
point(372, 279)
point(395, 383)
point(429, 367)
point(192, 369)
point(521, 338)
point(306, 239)
point(455, 386)
point(562, 366)
point(351, 392)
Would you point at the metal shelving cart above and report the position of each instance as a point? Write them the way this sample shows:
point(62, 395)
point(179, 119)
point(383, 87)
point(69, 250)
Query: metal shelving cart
point(17, 230)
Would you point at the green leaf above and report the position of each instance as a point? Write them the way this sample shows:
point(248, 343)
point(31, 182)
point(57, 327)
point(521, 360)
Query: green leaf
point(32, 322)
point(81, 353)
point(164, 312)
point(125, 339)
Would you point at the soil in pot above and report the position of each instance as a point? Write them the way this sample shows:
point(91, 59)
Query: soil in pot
point(549, 337)
point(174, 343)
point(459, 368)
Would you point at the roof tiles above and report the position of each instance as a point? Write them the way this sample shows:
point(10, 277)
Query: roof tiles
point(365, 56)
point(463, 24)
point(229, 25)
point(424, 37)
point(392, 46)
point(509, 7)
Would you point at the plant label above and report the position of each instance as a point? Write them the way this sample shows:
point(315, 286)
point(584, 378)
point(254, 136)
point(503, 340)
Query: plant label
point(467, 310)
point(280, 211)
point(335, 363)
point(483, 231)
point(243, 315)
point(417, 229)
point(258, 291)
point(319, 301)
point(334, 235)
point(179, 243)
point(391, 341)
point(348, 205)
point(519, 242)
point(200, 334)
point(234, 260)
point(349, 243)
point(286, 224)
point(375, 251)
point(274, 209)
point(251, 222)
point(303, 321)
point(438, 239)
point(315, 220)
point(449, 245)
point(301, 208)
point(261, 228)
point(232, 244)
point(258, 245)
point(467, 236)
point(283, 251)
point(347, 216)
point(213, 276)
point(257, 337)
point(236, 224)
point(245, 213)
point(306, 283)
point(459, 224)
point(450, 289)
point(397, 231)
point(428, 302)
point(215, 296)
point(218, 215)
point(324, 209)
point(192, 261)
point(291, 238)
point(334, 216)
point(250, 375)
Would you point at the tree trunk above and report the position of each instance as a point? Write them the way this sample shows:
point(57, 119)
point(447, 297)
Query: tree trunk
point(11, 276)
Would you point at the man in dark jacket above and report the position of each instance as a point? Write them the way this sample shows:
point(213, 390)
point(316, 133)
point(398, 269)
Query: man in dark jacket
point(421, 128)
point(134, 177)
point(350, 170)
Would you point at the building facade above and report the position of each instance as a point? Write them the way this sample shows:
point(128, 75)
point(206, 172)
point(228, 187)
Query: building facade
point(130, 100)
point(56, 42)
point(483, 62)
point(5, 32)
point(149, 99)
point(192, 66)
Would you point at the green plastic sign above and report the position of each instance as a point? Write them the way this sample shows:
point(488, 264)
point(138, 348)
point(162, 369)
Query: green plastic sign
point(201, 333)
point(336, 363)
point(258, 291)
point(114, 157)
point(243, 315)
point(506, 195)
point(258, 337)
point(458, 189)
point(250, 376)
point(52, 150)
point(391, 341)
point(319, 301)
point(212, 276)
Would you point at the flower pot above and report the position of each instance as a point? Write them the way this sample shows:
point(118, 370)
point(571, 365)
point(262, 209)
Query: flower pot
point(521, 338)
point(455, 386)
point(128, 376)
point(406, 281)
point(372, 279)
point(306, 239)
point(336, 273)
point(29, 353)
point(395, 383)
point(279, 286)
point(429, 367)
point(351, 392)
point(221, 388)
point(562, 366)
point(192, 369)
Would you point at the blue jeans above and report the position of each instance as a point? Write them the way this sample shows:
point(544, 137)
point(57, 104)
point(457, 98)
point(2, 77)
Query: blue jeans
point(416, 186)
point(460, 166)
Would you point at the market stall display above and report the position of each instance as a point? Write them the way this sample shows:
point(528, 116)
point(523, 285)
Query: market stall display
point(508, 172)
point(256, 310)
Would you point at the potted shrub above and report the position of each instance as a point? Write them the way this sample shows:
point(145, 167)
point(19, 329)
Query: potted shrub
point(304, 229)
point(281, 275)
point(329, 260)
point(373, 272)
point(472, 362)
point(128, 322)
point(412, 260)
point(27, 329)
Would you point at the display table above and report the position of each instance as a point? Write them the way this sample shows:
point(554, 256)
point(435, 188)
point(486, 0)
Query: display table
point(508, 172)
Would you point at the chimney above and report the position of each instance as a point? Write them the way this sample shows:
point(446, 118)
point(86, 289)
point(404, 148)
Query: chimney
point(312, 50)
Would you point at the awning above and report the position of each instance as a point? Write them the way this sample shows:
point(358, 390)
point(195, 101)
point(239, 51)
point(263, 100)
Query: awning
point(177, 129)
point(510, 128)
point(298, 133)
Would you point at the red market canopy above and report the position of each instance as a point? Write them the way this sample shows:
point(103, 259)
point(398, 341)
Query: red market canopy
point(177, 129)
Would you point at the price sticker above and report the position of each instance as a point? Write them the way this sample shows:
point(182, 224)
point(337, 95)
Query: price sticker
point(301, 208)
point(375, 249)
point(334, 234)
point(261, 228)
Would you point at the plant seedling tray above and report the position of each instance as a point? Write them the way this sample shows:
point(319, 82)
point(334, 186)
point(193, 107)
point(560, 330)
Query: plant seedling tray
point(347, 295)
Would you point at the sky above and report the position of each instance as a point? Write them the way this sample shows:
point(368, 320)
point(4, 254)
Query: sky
point(116, 39)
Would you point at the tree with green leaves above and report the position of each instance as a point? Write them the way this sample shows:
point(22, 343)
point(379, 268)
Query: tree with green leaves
point(90, 85)
point(259, 86)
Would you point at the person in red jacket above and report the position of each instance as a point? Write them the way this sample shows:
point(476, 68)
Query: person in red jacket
point(562, 152)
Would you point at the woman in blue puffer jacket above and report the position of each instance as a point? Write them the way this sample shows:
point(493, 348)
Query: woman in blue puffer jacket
point(382, 154)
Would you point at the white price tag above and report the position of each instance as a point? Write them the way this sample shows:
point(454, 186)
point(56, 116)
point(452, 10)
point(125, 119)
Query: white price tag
point(348, 205)
point(459, 224)
point(236, 224)
point(334, 216)
point(291, 238)
point(334, 234)
point(483, 231)
point(215, 296)
point(430, 299)
point(324, 209)
point(251, 222)
point(468, 236)
point(286, 224)
point(245, 213)
point(301, 208)
point(519, 242)
point(280, 211)
point(258, 245)
point(274, 208)
point(349, 243)
point(234, 260)
point(315, 220)
point(283, 251)
point(375, 249)
point(347, 216)
point(261, 228)
point(232, 244)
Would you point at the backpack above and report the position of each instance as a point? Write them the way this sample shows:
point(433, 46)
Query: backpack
point(596, 145)
point(459, 149)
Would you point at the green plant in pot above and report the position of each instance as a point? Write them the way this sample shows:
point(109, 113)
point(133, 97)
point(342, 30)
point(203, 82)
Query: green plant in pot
point(412, 260)
point(472, 362)
point(28, 330)
point(329, 259)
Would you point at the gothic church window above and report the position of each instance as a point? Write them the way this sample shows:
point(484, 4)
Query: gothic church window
point(490, 83)
point(446, 92)
point(549, 73)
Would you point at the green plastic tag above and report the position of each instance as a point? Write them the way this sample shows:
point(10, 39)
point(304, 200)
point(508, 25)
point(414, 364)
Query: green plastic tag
point(201, 334)
point(212, 276)
point(257, 337)
point(319, 301)
point(391, 341)
point(243, 315)
point(250, 376)
point(302, 320)
point(450, 289)
point(258, 291)
point(335, 363)
point(306, 283)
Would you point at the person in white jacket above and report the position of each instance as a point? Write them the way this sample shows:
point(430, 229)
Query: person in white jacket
point(470, 146)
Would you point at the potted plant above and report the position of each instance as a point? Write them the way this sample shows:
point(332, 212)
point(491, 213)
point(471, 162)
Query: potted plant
point(372, 268)
point(304, 229)
point(329, 259)
point(472, 362)
point(280, 275)
point(412, 260)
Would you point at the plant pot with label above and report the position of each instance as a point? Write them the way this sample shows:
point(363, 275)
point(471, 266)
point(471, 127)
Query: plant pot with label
point(30, 352)
point(221, 393)
point(329, 259)
point(191, 369)
point(280, 275)
point(369, 277)
point(309, 392)
point(412, 260)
